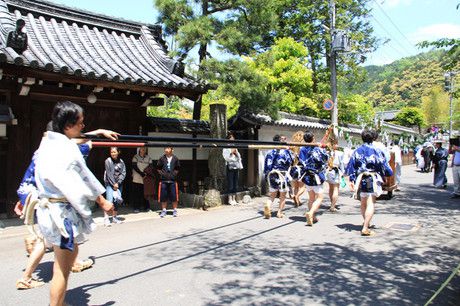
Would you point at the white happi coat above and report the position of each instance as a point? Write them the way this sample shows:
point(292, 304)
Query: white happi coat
point(61, 173)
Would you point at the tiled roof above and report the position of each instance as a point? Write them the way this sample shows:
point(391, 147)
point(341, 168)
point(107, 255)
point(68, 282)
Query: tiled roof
point(295, 121)
point(170, 125)
point(75, 42)
point(387, 115)
point(398, 129)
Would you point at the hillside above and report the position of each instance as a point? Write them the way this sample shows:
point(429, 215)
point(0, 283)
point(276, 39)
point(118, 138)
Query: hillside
point(403, 82)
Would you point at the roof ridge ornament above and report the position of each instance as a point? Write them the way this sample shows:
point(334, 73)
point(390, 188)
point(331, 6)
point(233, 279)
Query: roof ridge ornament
point(17, 39)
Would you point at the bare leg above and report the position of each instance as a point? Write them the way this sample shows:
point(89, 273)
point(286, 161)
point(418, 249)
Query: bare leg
point(314, 202)
point(34, 259)
point(282, 204)
point(174, 205)
point(300, 190)
point(267, 207)
point(369, 213)
point(163, 205)
point(63, 260)
point(333, 195)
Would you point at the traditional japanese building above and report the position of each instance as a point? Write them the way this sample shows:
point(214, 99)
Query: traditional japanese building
point(113, 68)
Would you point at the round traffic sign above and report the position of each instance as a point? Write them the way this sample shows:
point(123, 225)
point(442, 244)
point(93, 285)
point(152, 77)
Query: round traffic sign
point(328, 104)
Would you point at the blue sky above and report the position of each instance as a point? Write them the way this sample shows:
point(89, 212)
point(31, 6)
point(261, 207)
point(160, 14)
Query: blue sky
point(404, 22)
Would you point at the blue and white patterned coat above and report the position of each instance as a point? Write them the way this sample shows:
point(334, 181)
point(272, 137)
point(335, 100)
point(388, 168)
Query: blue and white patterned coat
point(279, 160)
point(314, 162)
point(368, 158)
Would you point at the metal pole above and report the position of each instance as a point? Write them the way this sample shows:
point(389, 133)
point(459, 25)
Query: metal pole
point(332, 64)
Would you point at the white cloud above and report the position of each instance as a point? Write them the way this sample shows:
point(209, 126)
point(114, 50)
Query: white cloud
point(435, 31)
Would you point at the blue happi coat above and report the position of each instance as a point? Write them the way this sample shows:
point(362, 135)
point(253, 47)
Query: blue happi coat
point(278, 160)
point(368, 158)
point(313, 161)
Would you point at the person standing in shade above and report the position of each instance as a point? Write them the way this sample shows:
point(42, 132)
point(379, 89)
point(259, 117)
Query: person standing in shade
point(440, 166)
point(168, 168)
point(114, 175)
point(233, 161)
point(139, 163)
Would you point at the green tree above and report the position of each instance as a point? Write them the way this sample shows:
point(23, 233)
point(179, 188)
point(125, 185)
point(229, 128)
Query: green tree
point(173, 108)
point(411, 116)
point(237, 26)
point(435, 106)
point(355, 109)
point(274, 80)
point(305, 21)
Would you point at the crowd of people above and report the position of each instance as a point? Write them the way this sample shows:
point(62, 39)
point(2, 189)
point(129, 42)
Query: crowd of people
point(308, 168)
point(58, 186)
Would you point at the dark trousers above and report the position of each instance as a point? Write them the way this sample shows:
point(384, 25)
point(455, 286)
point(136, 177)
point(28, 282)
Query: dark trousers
point(137, 197)
point(232, 180)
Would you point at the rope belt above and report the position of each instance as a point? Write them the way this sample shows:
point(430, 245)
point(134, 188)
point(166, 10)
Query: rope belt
point(315, 175)
point(360, 178)
point(29, 219)
point(281, 175)
point(288, 173)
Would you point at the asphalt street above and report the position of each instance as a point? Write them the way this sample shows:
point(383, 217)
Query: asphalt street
point(232, 256)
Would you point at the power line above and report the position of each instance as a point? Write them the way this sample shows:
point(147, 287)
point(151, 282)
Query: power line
point(405, 51)
point(396, 27)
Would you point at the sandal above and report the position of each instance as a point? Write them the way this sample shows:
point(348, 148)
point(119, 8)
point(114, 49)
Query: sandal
point(22, 284)
point(82, 266)
point(280, 215)
point(367, 233)
point(310, 219)
point(333, 209)
point(267, 210)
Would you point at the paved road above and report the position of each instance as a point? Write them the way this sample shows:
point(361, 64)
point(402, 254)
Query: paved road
point(231, 255)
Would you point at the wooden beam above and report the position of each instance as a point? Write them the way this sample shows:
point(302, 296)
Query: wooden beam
point(23, 72)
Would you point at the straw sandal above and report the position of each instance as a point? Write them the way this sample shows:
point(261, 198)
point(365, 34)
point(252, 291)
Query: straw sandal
point(22, 284)
point(267, 210)
point(333, 209)
point(367, 233)
point(280, 215)
point(309, 219)
point(82, 266)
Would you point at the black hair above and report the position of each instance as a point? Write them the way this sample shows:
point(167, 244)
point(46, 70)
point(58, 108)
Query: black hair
point(116, 148)
point(230, 135)
point(308, 136)
point(276, 138)
point(375, 134)
point(65, 114)
point(368, 136)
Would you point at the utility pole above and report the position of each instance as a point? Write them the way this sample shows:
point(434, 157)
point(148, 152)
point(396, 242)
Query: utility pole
point(449, 86)
point(332, 64)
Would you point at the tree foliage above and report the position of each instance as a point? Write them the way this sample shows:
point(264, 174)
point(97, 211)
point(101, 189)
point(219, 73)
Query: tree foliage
point(410, 116)
point(403, 82)
point(173, 108)
point(237, 26)
point(274, 80)
point(305, 21)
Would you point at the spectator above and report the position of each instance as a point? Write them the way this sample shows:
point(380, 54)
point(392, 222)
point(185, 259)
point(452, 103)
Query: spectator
point(233, 161)
point(440, 166)
point(456, 171)
point(168, 168)
point(114, 175)
point(139, 163)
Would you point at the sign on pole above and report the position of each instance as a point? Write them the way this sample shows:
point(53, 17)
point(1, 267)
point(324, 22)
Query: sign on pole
point(328, 104)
